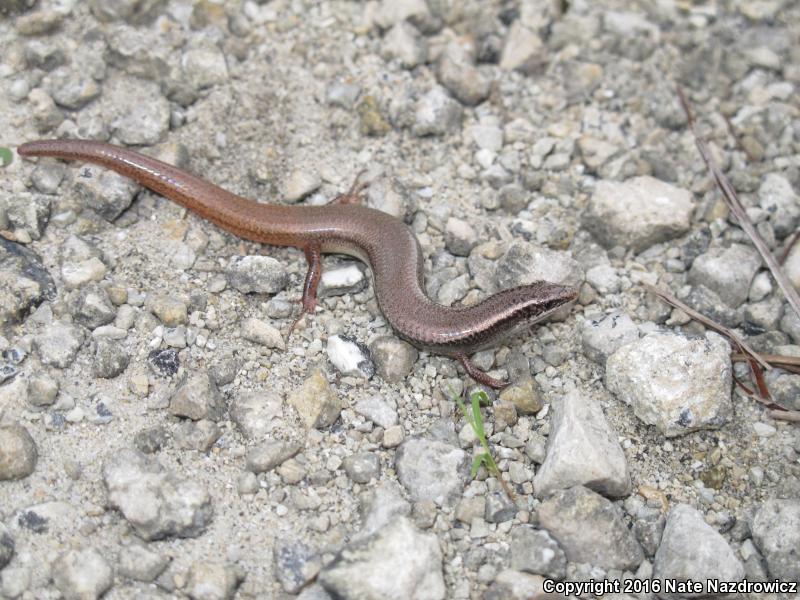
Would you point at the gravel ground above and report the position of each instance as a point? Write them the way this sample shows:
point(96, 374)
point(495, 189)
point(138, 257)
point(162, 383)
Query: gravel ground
point(161, 434)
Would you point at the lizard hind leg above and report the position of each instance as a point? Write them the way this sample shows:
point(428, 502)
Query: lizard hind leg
point(309, 300)
point(355, 195)
point(478, 375)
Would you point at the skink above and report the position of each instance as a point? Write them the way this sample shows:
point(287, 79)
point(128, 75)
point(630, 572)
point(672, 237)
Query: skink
point(343, 227)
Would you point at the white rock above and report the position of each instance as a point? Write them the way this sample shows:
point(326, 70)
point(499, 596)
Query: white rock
point(673, 382)
point(638, 213)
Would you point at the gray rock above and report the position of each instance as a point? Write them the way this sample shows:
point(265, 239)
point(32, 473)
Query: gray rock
point(24, 282)
point(73, 88)
point(314, 592)
point(343, 94)
point(110, 359)
point(247, 483)
point(381, 506)
point(457, 72)
point(45, 114)
point(45, 54)
point(270, 454)
point(6, 546)
point(18, 452)
point(42, 390)
point(347, 278)
point(362, 467)
point(257, 413)
point(213, 580)
point(776, 532)
point(151, 440)
point(47, 176)
point(132, 11)
point(82, 574)
point(436, 113)
point(791, 266)
point(790, 324)
point(691, 549)
point(26, 214)
point(516, 585)
point(77, 274)
point(708, 302)
point(487, 136)
point(39, 22)
point(93, 308)
point(15, 581)
point(648, 523)
point(58, 344)
point(604, 279)
point(453, 290)
point(523, 394)
point(299, 184)
point(513, 198)
point(316, 402)
point(259, 332)
point(140, 563)
point(204, 66)
point(726, 271)
point(498, 508)
point(404, 43)
point(535, 551)
point(256, 274)
point(350, 357)
point(197, 397)
point(590, 529)
point(784, 388)
point(157, 503)
point(582, 450)
point(776, 196)
point(105, 192)
point(764, 315)
point(391, 12)
point(138, 52)
point(398, 562)
point(638, 213)
point(295, 564)
point(144, 114)
point(197, 435)
point(459, 237)
point(431, 470)
point(525, 263)
point(225, 370)
point(523, 50)
point(673, 382)
point(596, 152)
point(377, 410)
point(602, 337)
point(171, 311)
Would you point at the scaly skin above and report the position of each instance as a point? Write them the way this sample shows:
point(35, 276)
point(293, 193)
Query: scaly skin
point(385, 243)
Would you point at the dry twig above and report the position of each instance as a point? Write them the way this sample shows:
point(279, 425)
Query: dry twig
point(735, 206)
point(742, 346)
point(785, 415)
point(753, 358)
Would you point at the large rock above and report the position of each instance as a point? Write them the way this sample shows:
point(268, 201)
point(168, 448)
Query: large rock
point(691, 549)
point(590, 529)
point(673, 382)
point(776, 532)
point(156, 502)
point(24, 282)
point(726, 271)
point(638, 213)
point(398, 562)
point(582, 450)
